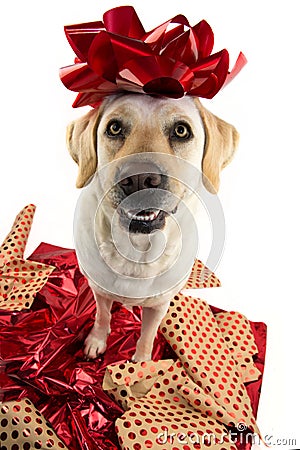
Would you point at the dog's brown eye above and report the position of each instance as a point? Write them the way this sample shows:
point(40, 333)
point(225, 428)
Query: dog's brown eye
point(181, 131)
point(114, 129)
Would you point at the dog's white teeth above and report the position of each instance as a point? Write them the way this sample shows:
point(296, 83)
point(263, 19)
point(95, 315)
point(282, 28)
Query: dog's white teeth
point(148, 217)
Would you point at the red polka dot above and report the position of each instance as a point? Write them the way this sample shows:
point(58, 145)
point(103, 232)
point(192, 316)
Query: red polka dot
point(127, 424)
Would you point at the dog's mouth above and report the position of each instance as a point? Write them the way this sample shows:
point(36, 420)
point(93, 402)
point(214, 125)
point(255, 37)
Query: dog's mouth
point(144, 221)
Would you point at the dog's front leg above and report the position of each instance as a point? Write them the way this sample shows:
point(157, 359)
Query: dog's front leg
point(151, 320)
point(95, 343)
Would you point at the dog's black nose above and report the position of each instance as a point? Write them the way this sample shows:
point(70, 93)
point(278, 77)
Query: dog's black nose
point(141, 181)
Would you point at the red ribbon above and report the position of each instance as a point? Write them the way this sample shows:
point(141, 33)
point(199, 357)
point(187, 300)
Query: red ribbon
point(117, 55)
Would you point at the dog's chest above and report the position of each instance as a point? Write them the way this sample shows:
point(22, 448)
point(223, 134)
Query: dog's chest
point(144, 256)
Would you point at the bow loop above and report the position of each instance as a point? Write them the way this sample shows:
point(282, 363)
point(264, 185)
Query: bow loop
point(162, 35)
point(191, 45)
point(109, 52)
point(124, 21)
point(80, 37)
point(210, 75)
point(205, 38)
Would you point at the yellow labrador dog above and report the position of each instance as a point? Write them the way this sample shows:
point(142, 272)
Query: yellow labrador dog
point(129, 125)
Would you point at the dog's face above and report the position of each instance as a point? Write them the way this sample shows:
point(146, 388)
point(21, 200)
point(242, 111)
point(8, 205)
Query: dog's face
point(143, 138)
point(145, 128)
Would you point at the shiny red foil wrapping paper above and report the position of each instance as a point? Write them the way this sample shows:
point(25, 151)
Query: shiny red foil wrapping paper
point(42, 355)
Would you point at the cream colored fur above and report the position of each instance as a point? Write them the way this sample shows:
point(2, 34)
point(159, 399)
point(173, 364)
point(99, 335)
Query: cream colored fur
point(211, 148)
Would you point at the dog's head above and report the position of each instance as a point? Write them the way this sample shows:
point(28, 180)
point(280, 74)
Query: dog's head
point(133, 125)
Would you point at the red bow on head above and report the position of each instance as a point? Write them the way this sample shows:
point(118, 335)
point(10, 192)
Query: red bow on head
point(117, 55)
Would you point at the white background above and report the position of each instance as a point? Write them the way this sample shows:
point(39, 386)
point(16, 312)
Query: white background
point(259, 190)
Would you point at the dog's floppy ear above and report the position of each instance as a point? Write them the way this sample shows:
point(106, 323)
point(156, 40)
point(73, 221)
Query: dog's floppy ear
point(221, 141)
point(82, 144)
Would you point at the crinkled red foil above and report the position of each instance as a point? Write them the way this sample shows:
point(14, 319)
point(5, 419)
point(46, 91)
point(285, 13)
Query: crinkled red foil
point(43, 360)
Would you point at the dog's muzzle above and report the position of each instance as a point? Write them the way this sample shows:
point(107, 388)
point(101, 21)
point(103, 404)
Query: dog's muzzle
point(147, 200)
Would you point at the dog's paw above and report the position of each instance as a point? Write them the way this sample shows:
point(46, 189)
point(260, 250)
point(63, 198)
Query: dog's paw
point(93, 346)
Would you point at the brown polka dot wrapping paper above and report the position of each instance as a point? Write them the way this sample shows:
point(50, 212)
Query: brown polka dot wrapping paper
point(201, 277)
point(165, 403)
point(154, 420)
point(240, 340)
point(126, 382)
point(194, 334)
point(20, 280)
point(23, 428)
point(202, 393)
